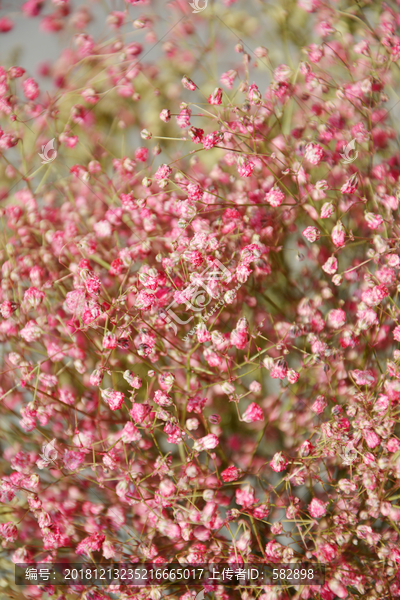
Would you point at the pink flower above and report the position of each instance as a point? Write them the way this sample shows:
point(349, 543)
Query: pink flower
point(336, 318)
point(350, 187)
point(331, 265)
point(373, 221)
point(327, 210)
point(312, 234)
point(72, 460)
point(8, 531)
point(317, 508)
point(245, 167)
point(232, 473)
point(326, 552)
point(196, 404)
point(93, 285)
point(253, 413)
point(254, 94)
point(319, 405)
point(6, 25)
point(216, 97)
point(162, 399)
point(102, 229)
point(363, 377)
point(203, 335)
point(188, 83)
point(393, 445)
point(245, 496)
point(396, 333)
point(141, 154)
point(228, 78)
point(110, 341)
point(183, 119)
point(279, 370)
point(163, 172)
point(314, 154)
point(144, 300)
point(114, 399)
point(261, 511)
point(31, 332)
point(139, 412)
point(32, 8)
point(89, 544)
point(211, 140)
point(292, 376)
point(165, 115)
point(278, 462)
point(196, 135)
point(31, 88)
point(33, 297)
point(208, 442)
point(109, 550)
point(275, 197)
point(338, 235)
point(371, 439)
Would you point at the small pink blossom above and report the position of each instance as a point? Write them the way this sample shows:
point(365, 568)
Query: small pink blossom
point(319, 405)
point(8, 531)
point(232, 473)
point(139, 412)
point(279, 370)
point(228, 78)
point(338, 235)
point(275, 197)
point(211, 140)
point(374, 221)
point(327, 210)
point(6, 25)
point(331, 265)
point(278, 462)
point(72, 460)
point(162, 399)
point(336, 318)
point(292, 376)
point(163, 172)
point(89, 544)
point(317, 508)
point(110, 341)
point(113, 398)
point(208, 442)
point(315, 53)
point(314, 154)
point(372, 439)
point(245, 496)
point(350, 187)
point(188, 83)
point(31, 88)
point(165, 115)
point(216, 97)
point(393, 445)
point(312, 234)
point(33, 297)
point(363, 377)
point(253, 413)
